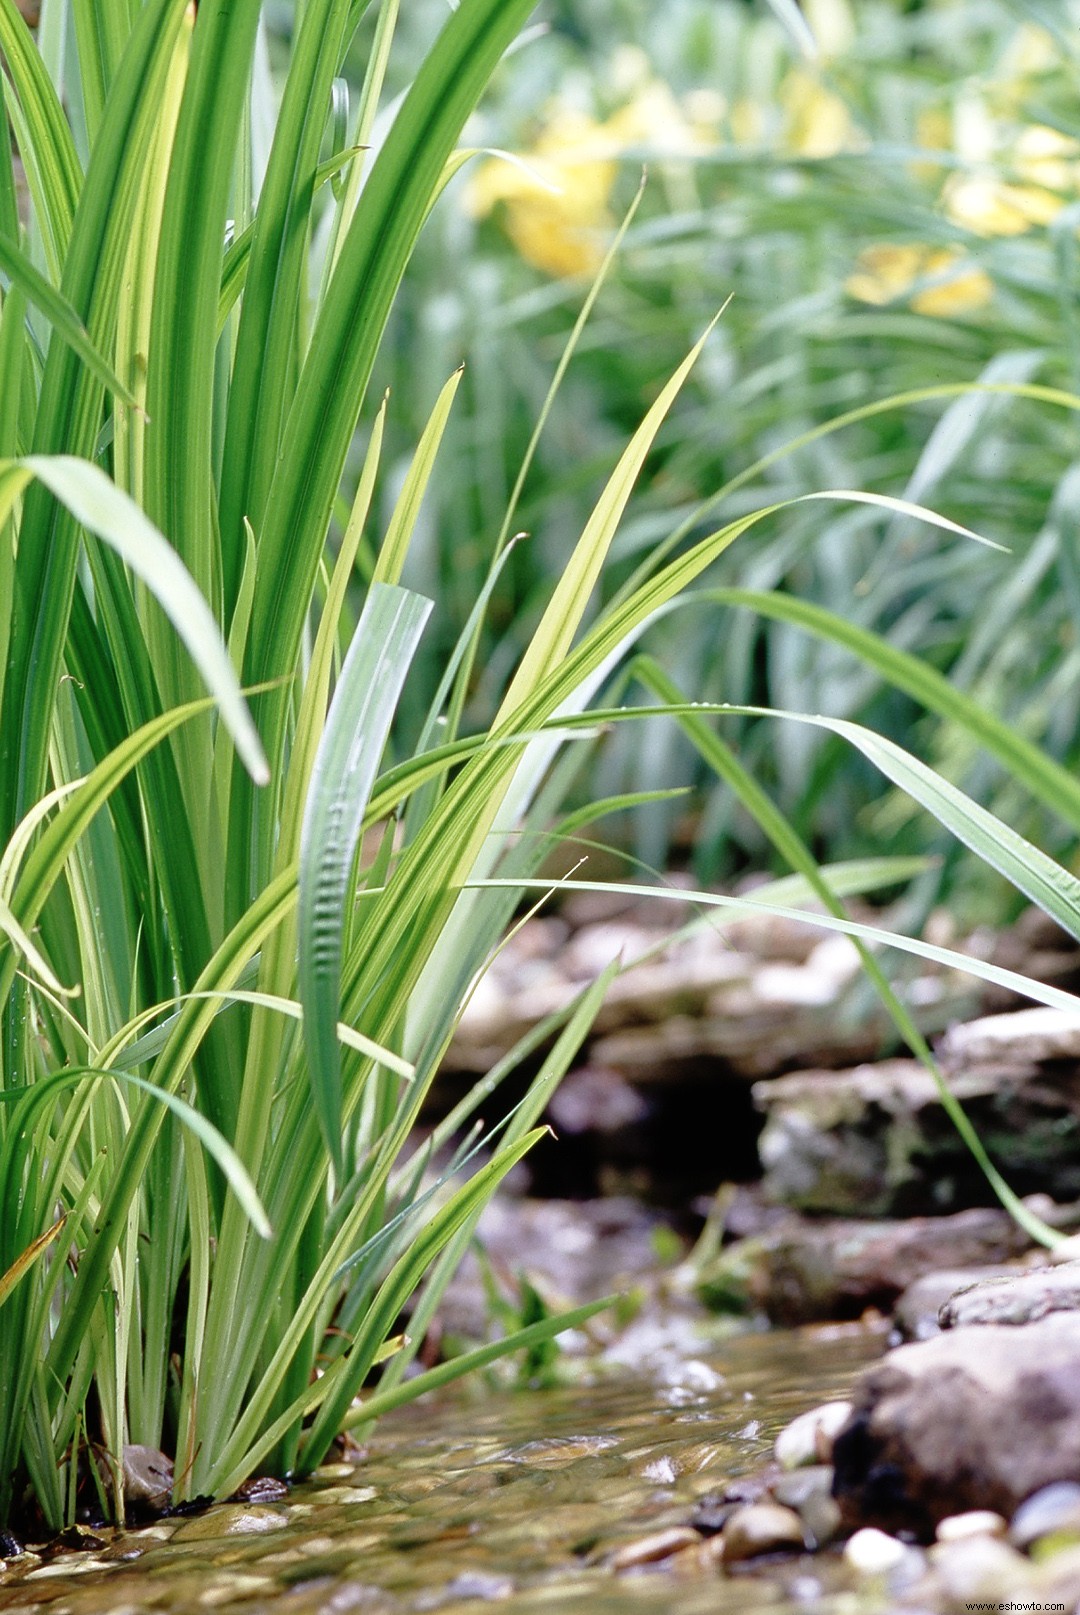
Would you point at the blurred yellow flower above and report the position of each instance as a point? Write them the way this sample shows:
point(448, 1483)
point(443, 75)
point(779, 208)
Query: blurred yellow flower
point(992, 207)
point(816, 123)
point(654, 118)
point(959, 290)
point(1031, 51)
point(555, 199)
point(1050, 164)
point(883, 273)
point(887, 272)
point(1047, 157)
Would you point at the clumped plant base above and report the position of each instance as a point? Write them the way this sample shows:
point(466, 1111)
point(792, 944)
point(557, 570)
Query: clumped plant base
point(247, 883)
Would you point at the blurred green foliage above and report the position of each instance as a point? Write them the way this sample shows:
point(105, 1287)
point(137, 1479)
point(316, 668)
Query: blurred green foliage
point(896, 211)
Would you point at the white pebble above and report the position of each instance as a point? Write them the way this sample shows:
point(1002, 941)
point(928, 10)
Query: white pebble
point(809, 1438)
point(976, 1522)
point(874, 1553)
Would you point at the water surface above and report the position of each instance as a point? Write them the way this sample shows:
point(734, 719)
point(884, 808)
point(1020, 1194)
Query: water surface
point(500, 1501)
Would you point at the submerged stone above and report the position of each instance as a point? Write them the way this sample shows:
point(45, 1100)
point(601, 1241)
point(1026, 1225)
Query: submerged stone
point(231, 1519)
point(762, 1528)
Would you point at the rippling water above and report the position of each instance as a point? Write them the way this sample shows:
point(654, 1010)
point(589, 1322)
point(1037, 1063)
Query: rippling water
point(512, 1503)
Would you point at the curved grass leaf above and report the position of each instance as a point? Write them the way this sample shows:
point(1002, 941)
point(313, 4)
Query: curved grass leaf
point(119, 1057)
point(346, 763)
point(111, 515)
point(1053, 785)
point(61, 316)
point(791, 846)
point(1040, 992)
point(379, 1403)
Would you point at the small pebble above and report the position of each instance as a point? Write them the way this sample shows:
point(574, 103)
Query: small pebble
point(809, 1438)
point(261, 1489)
point(231, 1519)
point(65, 1567)
point(762, 1528)
point(237, 1586)
point(712, 1514)
point(649, 1550)
point(980, 1570)
point(809, 1492)
point(347, 1494)
point(1051, 1511)
point(976, 1522)
point(874, 1553)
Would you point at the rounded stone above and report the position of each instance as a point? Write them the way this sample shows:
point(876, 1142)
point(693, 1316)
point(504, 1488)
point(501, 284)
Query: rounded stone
point(649, 1550)
point(981, 1570)
point(871, 1552)
point(1052, 1511)
point(809, 1492)
point(976, 1522)
point(231, 1519)
point(762, 1528)
point(809, 1438)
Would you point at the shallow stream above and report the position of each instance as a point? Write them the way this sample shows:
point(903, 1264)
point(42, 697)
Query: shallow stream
point(517, 1503)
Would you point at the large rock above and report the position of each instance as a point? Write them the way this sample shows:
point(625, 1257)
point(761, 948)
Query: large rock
point(1022, 1039)
point(1014, 1298)
point(876, 1141)
point(973, 1419)
point(804, 1270)
point(917, 1313)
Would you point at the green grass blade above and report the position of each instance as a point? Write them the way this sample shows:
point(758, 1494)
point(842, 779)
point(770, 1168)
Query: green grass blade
point(264, 365)
point(379, 1403)
point(111, 515)
point(1046, 779)
point(61, 316)
point(344, 342)
point(395, 546)
point(359, 722)
point(53, 171)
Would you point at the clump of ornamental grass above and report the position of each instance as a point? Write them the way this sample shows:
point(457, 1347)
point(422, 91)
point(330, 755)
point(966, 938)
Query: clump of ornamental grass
point(240, 913)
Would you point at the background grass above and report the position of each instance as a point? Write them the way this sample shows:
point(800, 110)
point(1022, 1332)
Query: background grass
point(774, 179)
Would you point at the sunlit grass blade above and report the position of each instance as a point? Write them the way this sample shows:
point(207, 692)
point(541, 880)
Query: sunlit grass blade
point(395, 546)
point(111, 515)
